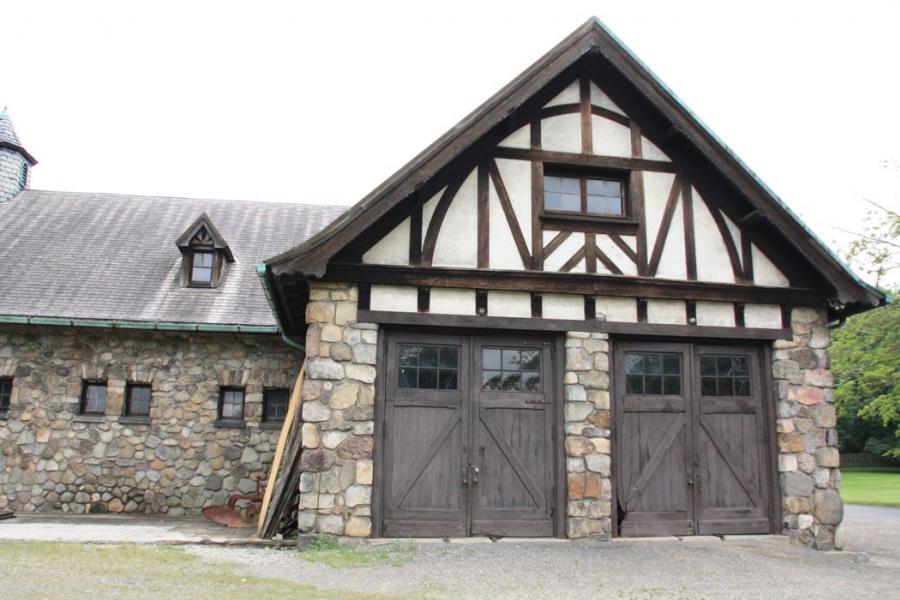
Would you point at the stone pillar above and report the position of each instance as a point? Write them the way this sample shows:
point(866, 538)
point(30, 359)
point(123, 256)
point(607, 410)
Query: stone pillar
point(587, 435)
point(338, 397)
point(807, 439)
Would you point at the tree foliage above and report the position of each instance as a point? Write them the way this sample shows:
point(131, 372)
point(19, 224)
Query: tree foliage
point(866, 364)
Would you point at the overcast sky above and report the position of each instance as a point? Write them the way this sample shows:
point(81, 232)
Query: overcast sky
point(319, 102)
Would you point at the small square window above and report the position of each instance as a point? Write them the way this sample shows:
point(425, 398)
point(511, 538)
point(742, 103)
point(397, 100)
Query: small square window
point(231, 404)
point(6, 386)
point(275, 404)
point(93, 398)
point(201, 268)
point(137, 400)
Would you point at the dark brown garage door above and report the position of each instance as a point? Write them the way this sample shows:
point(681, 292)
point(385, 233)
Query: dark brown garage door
point(691, 451)
point(468, 446)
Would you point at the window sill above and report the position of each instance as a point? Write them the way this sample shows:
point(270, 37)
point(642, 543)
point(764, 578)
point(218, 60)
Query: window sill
point(89, 419)
point(580, 222)
point(272, 425)
point(224, 424)
point(134, 420)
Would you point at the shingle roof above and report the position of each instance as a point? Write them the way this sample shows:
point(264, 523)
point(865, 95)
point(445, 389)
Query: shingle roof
point(9, 138)
point(113, 257)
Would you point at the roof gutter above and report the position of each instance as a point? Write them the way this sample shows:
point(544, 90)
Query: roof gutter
point(262, 271)
point(138, 325)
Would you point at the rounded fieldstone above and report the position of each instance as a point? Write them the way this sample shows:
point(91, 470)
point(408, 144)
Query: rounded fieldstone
point(356, 447)
point(316, 461)
point(828, 507)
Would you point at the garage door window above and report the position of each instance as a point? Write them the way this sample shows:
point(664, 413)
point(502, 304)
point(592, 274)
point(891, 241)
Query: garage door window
point(428, 367)
point(652, 373)
point(724, 376)
point(511, 370)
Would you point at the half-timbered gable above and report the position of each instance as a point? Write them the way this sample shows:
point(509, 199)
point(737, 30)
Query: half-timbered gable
point(575, 315)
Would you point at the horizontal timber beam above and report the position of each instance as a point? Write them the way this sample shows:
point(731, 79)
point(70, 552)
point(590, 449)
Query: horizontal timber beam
point(585, 160)
point(572, 283)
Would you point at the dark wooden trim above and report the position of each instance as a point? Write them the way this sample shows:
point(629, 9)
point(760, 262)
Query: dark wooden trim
point(642, 310)
point(771, 434)
point(572, 108)
point(590, 308)
point(554, 221)
point(573, 260)
point(510, 213)
point(584, 95)
point(727, 239)
point(525, 324)
point(415, 234)
point(584, 160)
point(785, 316)
point(590, 252)
point(690, 241)
point(364, 296)
point(484, 222)
point(574, 283)
point(437, 219)
point(424, 299)
point(738, 314)
point(747, 256)
point(560, 478)
point(537, 201)
point(690, 312)
point(481, 302)
point(663, 234)
point(604, 258)
point(625, 248)
point(378, 452)
point(556, 242)
point(537, 305)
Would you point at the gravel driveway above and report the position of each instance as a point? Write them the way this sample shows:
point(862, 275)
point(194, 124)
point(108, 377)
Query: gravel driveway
point(745, 567)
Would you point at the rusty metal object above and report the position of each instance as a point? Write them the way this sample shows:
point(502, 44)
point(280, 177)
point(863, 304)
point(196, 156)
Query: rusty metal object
point(231, 516)
point(6, 514)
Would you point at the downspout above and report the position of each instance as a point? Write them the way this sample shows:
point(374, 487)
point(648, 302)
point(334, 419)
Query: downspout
point(262, 271)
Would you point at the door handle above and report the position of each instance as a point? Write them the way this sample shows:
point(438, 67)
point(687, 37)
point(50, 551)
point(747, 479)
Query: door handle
point(475, 472)
point(465, 476)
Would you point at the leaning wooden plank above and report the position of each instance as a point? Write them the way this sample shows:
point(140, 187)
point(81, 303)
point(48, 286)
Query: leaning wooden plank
point(293, 407)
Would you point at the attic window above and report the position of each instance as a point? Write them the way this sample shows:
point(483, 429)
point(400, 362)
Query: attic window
point(584, 195)
point(205, 254)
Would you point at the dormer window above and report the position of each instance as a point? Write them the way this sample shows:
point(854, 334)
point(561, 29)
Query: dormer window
point(205, 254)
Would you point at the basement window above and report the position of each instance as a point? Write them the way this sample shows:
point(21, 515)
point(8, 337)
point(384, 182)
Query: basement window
point(93, 398)
point(231, 405)
point(275, 405)
point(6, 386)
point(137, 400)
point(586, 195)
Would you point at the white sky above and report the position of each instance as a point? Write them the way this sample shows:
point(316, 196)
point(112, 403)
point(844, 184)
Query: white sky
point(319, 102)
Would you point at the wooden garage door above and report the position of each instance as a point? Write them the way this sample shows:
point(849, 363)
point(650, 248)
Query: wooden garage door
point(468, 436)
point(691, 454)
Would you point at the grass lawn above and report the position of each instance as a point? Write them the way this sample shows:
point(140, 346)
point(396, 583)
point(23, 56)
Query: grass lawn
point(876, 486)
point(74, 571)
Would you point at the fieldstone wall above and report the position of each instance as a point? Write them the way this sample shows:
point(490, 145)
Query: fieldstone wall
point(587, 435)
point(176, 461)
point(808, 457)
point(338, 415)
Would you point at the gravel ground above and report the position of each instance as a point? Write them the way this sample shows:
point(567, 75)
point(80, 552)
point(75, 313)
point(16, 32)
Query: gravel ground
point(749, 567)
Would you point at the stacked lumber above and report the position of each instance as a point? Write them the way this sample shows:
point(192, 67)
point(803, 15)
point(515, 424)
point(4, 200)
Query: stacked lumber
point(278, 514)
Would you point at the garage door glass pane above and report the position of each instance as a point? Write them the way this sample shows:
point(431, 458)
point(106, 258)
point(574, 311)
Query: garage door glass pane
point(511, 370)
point(428, 367)
point(653, 373)
point(725, 376)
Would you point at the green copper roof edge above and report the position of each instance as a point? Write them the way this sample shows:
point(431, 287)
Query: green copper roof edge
point(141, 325)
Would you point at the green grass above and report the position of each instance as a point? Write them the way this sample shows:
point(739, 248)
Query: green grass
point(72, 571)
point(328, 551)
point(875, 486)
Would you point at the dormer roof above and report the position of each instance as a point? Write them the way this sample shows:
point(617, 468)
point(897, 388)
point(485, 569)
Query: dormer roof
point(202, 232)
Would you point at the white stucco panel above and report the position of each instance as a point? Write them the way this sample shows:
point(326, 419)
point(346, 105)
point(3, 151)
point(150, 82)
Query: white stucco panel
point(561, 133)
point(713, 263)
point(428, 210)
point(656, 193)
point(509, 304)
point(609, 138)
point(396, 298)
point(672, 261)
point(762, 315)
point(451, 301)
point(562, 306)
point(516, 176)
point(566, 250)
point(617, 309)
point(715, 314)
point(570, 95)
point(599, 98)
point(392, 249)
point(668, 312)
point(457, 243)
point(615, 254)
point(651, 151)
point(765, 272)
point(520, 138)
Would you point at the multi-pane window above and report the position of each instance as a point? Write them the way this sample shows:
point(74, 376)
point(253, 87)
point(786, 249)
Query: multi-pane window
point(275, 404)
point(231, 404)
point(6, 386)
point(137, 399)
point(428, 367)
point(201, 268)
point(724, 376)
point(93, 398)
point(652, 373)
point(511, 369)
point(584, 195)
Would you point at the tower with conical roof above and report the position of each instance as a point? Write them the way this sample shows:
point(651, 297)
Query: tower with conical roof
point(15, 161)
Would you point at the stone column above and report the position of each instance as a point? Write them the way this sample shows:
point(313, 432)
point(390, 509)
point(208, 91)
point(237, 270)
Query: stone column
point(587, 435)
point(338, 397)
point(807, 439)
